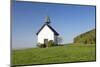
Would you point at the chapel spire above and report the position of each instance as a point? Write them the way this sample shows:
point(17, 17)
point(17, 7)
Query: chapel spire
point(47, 20)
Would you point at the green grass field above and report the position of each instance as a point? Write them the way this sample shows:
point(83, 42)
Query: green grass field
point(58, 54)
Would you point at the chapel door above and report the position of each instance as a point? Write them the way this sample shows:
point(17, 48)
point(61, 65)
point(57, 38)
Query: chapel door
point(46, 42)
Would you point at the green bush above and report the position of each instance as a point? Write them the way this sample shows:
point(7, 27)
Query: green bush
point(51, 43)
point(41, 45)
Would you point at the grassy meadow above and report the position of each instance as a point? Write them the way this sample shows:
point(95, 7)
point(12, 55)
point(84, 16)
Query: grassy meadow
point(58, 54)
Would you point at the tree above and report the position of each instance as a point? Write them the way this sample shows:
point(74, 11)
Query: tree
point(51, 43)
point(41, 45)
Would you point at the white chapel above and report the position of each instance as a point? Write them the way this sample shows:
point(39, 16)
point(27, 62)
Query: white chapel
point(47, 33)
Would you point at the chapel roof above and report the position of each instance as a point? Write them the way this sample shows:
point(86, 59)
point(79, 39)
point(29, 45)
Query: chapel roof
point(47, 22)
point(49, 27)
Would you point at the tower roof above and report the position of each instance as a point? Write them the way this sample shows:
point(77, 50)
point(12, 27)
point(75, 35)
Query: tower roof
point(47, 20)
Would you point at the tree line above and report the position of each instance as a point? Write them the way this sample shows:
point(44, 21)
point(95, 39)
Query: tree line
point(86, 38)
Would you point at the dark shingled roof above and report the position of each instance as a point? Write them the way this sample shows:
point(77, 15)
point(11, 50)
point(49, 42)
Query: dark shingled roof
point(49, 27)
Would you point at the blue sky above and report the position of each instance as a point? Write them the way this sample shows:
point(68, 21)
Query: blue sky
point(68, 20)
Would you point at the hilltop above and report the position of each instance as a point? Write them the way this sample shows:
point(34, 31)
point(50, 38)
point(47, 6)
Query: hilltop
point(86, 38)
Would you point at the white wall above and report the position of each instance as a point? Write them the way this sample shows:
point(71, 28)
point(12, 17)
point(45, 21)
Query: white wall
point(45, 33)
